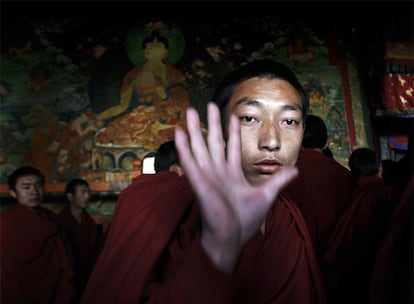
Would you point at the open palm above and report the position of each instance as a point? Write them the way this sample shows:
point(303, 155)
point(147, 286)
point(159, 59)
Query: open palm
point(232, 209)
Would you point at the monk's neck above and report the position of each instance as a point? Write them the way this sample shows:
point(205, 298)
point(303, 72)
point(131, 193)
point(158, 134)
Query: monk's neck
point(77, 213)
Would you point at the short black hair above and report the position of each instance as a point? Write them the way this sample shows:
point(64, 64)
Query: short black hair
point(262, 68)
point(166, 156)
point(364, 162)
point(23, 171)
point(316, 132)
point(73, 183)
point(328, 152)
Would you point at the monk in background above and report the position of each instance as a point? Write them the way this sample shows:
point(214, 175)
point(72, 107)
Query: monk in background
point(35, 264)
point(372, 241)
point(358, 232)
point(82, 232)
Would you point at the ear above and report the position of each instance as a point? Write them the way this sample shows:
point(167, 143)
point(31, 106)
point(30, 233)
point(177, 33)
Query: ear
point(69, 196)
point(177, 169)
point(380, 170)
point(13, 193)
point(327, 143)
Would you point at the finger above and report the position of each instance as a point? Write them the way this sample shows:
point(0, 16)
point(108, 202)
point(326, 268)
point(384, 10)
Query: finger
point(187, 161)
point(278, 181)
point(215, 139)
point(184, 153)
point(234, 145)
point(198, 146)
point(195, 175)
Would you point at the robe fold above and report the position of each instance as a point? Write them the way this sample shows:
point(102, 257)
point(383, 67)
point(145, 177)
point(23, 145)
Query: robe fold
point(153, 253)
point(145, 217)
point(392, 272)
point(356, 239)
point(35, 263)
point(352, 231)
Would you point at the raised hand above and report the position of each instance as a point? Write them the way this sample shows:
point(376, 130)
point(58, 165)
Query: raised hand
point(232, 209)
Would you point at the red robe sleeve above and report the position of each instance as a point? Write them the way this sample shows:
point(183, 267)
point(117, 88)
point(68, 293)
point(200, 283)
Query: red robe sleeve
point(145, 218)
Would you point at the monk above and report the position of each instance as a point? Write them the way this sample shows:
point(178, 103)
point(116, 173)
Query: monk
point(81, 230)
point(359, 231)
point(223, 232)
point(35, 264)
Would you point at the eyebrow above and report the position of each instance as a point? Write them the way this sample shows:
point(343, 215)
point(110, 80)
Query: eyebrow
point(253, 102)
point(30, 183)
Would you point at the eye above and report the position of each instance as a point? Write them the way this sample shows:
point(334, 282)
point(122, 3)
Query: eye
point(291, 122)
point(247, 119)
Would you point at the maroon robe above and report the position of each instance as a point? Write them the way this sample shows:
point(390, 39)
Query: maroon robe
point(392, 271)
point(352, 228)
point(34, 259)
point(355, 241)
point(322, 191)
point(153, 253)
point(85, 243)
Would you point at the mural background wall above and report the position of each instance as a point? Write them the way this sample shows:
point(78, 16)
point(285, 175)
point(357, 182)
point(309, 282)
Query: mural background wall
point(89, 94)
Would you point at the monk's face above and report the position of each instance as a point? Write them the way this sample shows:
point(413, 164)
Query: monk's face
point(270, 114)
point(29, 191)
point(80, 198)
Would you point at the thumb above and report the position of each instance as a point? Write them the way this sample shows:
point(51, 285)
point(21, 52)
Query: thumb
point(279, 180)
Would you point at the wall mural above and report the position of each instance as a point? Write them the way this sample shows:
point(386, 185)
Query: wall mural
point(92, 103)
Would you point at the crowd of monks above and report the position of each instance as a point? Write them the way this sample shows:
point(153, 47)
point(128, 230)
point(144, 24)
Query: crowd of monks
point(360, 226)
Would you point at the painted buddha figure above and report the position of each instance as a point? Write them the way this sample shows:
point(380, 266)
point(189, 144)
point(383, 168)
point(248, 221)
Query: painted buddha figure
point(153, 101)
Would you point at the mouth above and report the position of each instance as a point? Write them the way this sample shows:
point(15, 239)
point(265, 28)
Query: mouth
point(267, 166)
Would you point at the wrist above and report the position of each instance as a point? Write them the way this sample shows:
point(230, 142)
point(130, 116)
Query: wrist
point(223, 254)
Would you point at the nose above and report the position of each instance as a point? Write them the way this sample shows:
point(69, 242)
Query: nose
point(269, 136)
point(35, 189)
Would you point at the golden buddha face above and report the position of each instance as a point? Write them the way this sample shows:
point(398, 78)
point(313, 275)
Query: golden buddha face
point(155, 49)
